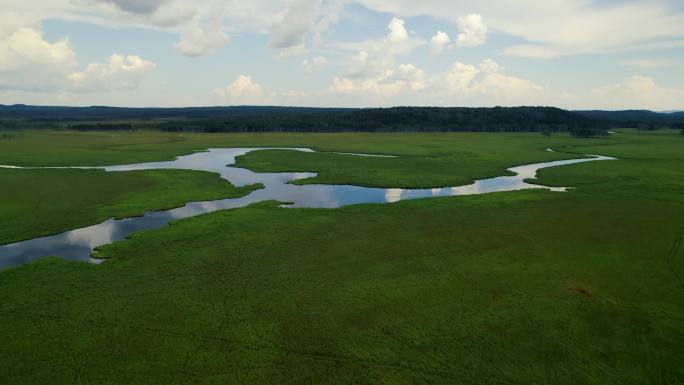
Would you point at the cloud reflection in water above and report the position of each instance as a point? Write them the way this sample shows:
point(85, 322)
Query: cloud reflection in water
point(79, 244)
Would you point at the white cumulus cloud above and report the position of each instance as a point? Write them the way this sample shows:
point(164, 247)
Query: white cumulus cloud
point(490, 66)
point(26, 46)
point(472, 31)
point(374, 58)
point(439, 42)
point(289, 30)
point(29, 62)
point(397, 30)
point(392, 81)
point(118, 72)
point(487, 80)
point(635, 92)
point(559, 27)
point(462, 84)
point(197, 41)
point(243, 90)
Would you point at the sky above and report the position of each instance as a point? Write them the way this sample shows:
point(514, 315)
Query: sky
point(574, 54)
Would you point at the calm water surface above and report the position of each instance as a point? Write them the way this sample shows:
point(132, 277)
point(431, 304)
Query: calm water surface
point(79, 244)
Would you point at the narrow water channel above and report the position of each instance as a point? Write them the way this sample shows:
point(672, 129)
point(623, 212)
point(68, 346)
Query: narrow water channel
point(79, 244)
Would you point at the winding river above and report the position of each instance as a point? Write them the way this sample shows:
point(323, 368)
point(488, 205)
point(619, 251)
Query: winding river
point(79, 244)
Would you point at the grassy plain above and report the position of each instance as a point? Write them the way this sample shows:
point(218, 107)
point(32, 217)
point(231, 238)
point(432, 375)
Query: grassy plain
point(42, 202)
point(38, 202)
point(525, 287)
point(426, 160)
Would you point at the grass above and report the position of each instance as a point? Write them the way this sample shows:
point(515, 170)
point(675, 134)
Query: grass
point(651, 166)
point(524, 287)
point(44, 202)
point(426, 160)
point(363, 295)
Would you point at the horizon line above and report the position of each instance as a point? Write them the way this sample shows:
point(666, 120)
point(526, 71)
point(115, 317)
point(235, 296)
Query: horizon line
point(332, 108)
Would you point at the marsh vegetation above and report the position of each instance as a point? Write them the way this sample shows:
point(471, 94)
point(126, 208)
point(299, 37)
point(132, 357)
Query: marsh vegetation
point(515, 287)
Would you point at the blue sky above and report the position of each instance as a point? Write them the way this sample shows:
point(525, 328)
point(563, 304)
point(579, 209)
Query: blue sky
point(606, 54)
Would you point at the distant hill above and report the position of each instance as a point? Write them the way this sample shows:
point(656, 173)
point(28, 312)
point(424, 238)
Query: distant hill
point(625, 114)
point(643, 119)
point(22, 111)
point(410, 119)
point(304, 119)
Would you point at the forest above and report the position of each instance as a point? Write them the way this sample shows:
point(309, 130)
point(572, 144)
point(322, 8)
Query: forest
point(546, 120)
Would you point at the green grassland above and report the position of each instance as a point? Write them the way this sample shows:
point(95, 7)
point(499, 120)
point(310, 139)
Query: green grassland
point(59, 200)
point(38, 202)
point(425, 160)
point(68, 148)
point(584, 287)
point(651, 166)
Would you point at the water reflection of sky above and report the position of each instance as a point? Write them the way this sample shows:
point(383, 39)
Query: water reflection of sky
point(79, 244)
